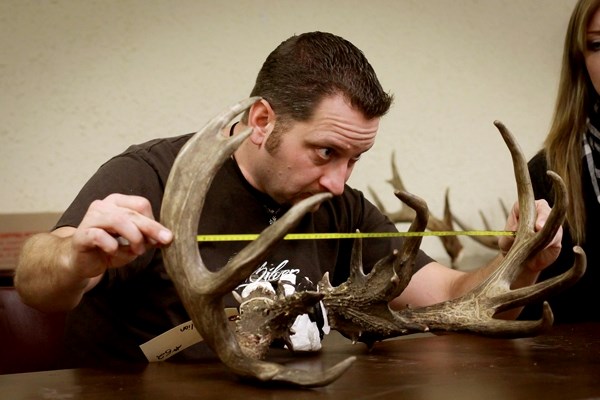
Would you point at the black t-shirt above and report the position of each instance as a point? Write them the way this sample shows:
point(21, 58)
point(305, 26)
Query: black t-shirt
point(580, 302)
point(133, 304)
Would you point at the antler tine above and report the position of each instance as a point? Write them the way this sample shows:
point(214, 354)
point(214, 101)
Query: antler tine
point(503, 207)
point(201, 290)
point(396, 180)
point(452, 244)
point(527, 214)
point(447, 211)
point(418, 224)
point(486, 224)
point(405, 214)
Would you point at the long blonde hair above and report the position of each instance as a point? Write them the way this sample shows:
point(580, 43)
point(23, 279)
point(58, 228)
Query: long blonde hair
point(576, 97)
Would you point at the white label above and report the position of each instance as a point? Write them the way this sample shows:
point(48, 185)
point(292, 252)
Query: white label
point(175, 340)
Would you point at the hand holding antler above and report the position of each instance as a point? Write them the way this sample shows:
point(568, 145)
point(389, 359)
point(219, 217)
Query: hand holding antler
point(546, 256)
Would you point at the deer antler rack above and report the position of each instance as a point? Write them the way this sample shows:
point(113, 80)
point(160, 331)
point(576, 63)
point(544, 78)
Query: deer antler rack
point(359, 308)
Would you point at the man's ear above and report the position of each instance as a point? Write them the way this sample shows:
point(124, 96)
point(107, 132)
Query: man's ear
point(261, 118)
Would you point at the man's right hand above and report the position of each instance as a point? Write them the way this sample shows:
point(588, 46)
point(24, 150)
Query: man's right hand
point(113, 232)
point(55, 269)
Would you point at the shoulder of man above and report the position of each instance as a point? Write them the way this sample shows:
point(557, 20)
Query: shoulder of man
point(169, 145)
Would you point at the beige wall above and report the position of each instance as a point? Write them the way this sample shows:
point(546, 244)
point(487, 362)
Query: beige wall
point(81, 80)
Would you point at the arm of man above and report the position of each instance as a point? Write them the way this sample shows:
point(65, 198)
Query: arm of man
point(435, 283)
point(57, 268)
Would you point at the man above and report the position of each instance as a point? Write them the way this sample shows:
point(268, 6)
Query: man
point(320, 110)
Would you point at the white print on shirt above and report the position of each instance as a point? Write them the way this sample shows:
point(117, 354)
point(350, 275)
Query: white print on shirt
point(266, 273)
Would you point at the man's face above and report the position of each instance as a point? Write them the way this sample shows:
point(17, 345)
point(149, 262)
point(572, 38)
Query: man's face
point(318, 155)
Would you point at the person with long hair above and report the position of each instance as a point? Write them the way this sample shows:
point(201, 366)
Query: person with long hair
point(572, 149)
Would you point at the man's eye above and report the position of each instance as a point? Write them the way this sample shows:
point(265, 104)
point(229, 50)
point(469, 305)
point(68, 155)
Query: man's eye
point(325, 153)
point(593, 45)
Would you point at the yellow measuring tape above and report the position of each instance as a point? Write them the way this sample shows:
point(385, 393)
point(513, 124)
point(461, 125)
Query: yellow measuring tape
point(312, 236)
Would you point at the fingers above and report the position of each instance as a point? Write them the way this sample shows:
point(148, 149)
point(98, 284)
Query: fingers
point(542, 209)
point(505, 242)
point(551, 250)
point(128, 217)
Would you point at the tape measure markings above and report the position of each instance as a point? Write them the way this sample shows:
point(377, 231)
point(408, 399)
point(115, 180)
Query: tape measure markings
point(363, 235)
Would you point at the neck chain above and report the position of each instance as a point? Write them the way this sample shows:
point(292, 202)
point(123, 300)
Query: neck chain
point(273, 214)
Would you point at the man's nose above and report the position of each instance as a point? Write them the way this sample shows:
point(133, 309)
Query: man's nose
point(334, 179)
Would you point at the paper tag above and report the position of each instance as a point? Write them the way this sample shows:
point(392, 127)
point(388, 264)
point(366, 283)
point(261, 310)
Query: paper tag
point(175, 340)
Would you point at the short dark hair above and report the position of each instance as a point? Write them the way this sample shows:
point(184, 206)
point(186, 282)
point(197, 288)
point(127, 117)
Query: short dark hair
point(306, 68)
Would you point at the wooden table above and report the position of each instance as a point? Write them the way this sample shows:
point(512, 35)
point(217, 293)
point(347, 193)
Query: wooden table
point(561, 364)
